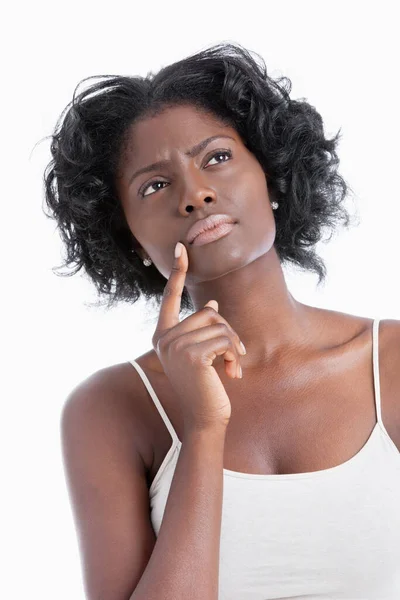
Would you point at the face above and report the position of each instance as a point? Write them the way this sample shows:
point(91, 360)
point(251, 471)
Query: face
point(222, 177)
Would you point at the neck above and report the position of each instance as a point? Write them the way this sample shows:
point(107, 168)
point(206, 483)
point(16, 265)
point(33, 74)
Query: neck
point(269, 320)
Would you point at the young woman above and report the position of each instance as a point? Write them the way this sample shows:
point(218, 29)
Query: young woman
point(198, 470)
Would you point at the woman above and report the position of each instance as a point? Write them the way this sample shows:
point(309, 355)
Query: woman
point(197, 470)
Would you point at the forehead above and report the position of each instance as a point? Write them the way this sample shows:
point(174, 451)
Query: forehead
point(178, 127)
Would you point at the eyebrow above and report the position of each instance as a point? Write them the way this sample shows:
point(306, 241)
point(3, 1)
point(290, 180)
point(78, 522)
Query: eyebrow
point(191, 153)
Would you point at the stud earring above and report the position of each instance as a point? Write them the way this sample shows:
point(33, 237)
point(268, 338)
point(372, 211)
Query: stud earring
point(146, 261)
point(274, 205)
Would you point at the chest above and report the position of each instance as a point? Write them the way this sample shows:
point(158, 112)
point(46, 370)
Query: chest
point(317, 417)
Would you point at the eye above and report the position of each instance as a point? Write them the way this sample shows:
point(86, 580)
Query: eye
point(219, 153)
point(148, 186)
point(227, 153)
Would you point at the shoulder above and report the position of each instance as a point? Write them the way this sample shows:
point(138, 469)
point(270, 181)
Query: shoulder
point(389, 369)
point(389, 345)
point(358, 329)
point(391, 327)
point(112, 399)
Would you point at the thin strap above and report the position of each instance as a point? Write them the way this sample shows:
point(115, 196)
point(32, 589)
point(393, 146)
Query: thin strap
point(156, 401)
point(377, 387)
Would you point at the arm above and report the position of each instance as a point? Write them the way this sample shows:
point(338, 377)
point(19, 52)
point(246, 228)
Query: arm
point(106, 477)
point(185, 560)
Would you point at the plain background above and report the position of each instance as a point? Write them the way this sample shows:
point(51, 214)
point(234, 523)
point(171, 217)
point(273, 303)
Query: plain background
point(340, 56)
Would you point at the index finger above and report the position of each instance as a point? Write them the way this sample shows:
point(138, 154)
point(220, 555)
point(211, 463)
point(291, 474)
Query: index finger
point(171, 301)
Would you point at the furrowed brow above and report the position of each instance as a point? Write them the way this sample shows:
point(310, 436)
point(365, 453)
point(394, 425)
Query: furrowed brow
point(191, 153)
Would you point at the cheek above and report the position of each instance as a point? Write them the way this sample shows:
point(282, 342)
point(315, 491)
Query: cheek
point(142, 227)
point(252, 198)
point(256, 216)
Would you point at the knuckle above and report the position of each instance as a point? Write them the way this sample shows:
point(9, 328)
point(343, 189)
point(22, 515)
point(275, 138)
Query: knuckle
point(168, 291)
point(175, 345)
point(223, 328)
point(191, 355)
point(227, 340)
point(159, 342)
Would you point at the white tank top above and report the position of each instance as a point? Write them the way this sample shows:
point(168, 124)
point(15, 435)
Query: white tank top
point(330, 534)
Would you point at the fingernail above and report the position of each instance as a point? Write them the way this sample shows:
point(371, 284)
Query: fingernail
point(243, 348)
point(178, 250)
point(240, 372)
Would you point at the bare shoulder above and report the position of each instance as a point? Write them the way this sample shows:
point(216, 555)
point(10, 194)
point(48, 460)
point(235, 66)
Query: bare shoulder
point(116, 396)
point(389, 330)
point(389, 350)
point(389, 365)
point(388, 355)
point(104, 457)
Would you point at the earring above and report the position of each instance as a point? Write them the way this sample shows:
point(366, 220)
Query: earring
point(274, 205)
point(146, 261)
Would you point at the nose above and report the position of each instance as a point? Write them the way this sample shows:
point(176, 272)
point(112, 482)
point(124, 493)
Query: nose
point(195, 193)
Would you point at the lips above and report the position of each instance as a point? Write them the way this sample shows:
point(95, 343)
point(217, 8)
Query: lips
point(205, 224)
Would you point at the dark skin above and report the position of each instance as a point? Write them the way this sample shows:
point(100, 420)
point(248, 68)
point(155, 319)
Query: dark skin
point(307, 372)
point(268, 320)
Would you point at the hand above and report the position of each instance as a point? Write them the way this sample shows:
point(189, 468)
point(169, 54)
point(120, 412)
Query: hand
point(187, 350)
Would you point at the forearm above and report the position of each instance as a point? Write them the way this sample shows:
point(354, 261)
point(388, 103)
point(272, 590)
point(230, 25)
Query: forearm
point(185, 559)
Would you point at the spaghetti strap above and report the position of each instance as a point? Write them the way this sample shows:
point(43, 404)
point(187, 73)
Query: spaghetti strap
point(377, 387)
point(157, 402)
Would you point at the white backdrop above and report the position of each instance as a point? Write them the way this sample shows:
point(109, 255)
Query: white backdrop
point(340, 56)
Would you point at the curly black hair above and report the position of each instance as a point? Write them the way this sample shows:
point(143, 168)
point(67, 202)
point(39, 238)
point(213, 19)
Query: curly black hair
point(286, 136)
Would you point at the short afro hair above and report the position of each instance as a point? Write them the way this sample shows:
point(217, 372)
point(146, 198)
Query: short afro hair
point(286, 136)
